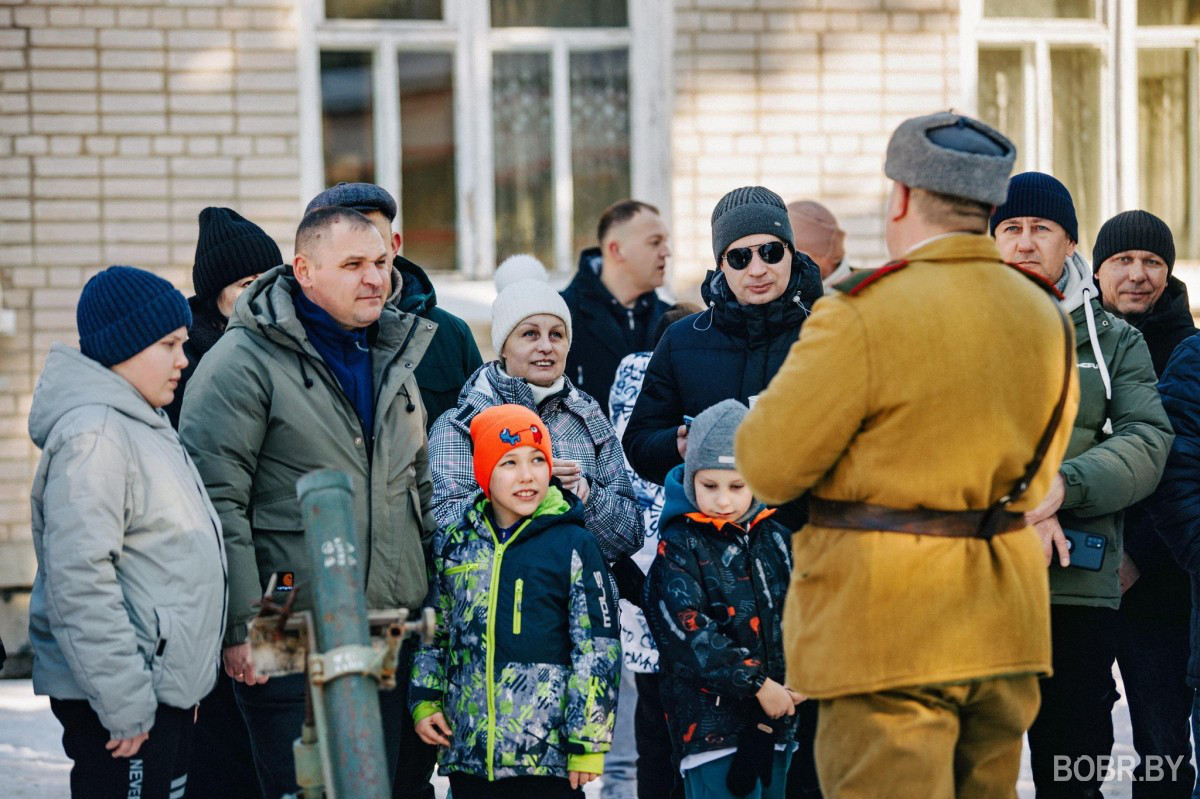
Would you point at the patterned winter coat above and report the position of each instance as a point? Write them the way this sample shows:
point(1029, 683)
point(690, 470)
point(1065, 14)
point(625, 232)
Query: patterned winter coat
point(714, 600)
point(526, 659)
point(580, 432)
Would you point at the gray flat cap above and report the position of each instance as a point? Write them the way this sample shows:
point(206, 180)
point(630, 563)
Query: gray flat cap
point(951, 154)
point(362, 197)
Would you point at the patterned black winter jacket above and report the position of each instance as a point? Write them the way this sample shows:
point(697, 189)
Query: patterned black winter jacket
point(714, 601)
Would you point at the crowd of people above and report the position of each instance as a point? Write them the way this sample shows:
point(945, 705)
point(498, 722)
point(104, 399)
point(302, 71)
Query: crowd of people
point(843, 533)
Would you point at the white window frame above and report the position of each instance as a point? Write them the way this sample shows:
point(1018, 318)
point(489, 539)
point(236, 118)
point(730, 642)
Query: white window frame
point(1114, 30)
point(466, 32)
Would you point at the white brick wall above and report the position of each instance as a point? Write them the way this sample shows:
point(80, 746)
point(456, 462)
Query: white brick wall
point(119, 121)
point(800, 96)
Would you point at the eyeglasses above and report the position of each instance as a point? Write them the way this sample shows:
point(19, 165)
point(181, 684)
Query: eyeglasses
point(739, 257)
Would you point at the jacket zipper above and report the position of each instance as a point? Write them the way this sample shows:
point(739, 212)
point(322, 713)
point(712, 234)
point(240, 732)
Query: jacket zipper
point(489, 642)
point(629, 314)
point(518, 590)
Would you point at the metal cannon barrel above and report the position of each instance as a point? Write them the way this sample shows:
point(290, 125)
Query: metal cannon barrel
point(339, 663)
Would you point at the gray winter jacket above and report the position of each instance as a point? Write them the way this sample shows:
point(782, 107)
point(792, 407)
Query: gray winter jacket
point(128, 604)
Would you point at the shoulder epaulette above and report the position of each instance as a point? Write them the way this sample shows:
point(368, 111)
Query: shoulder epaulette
point(1040, 281)
point(854, 284)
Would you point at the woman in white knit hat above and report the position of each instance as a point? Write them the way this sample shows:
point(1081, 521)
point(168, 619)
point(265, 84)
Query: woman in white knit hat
point(531, 331)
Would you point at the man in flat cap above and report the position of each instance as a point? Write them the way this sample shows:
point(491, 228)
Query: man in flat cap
point(918, 612)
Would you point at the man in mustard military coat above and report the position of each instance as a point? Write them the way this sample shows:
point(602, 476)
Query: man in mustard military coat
point(944, 384)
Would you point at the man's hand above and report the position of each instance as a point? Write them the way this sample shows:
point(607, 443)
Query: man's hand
point(126, 747)
point(1052, 502)
point(434, 730)
point(681, 434)
point(1051, 533)
point(580, 778)
point(776, 700)
point(238, 664)
point(1127, 573)
point(797, 697)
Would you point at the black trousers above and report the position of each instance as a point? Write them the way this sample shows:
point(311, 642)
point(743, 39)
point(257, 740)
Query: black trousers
point(802, 773)
point(222, 761)
point(1075, 719)
point(1152, 651)
point(467, 786)
point(158, 771)
point(657, 766)
point(416, 759)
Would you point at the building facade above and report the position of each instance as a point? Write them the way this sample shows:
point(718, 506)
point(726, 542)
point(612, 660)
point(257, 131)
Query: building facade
point(507, 125)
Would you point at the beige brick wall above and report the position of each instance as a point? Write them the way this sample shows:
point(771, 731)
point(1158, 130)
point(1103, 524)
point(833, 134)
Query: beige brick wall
point(119, 121)
point(800, 96)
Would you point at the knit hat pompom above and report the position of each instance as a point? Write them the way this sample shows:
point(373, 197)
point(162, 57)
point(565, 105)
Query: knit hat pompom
point(499, 429)
point(524, 290)
point(230, 248)
point(124, 310)
point(710, 442)
point(1134, 230)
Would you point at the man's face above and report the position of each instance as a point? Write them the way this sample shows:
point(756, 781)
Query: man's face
point(641, 243)
point(348, 274)
point(1132, 281)
point(1039, 245)
point(384, 226)
point(760, 282)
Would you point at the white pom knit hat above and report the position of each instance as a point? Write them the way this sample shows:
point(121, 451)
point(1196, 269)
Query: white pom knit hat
point(523, 291)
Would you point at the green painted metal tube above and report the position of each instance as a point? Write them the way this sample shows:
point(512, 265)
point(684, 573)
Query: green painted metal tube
point(354, 738)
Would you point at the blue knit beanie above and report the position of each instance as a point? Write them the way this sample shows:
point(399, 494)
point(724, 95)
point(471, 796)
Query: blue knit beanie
point(1039, 195)
point(124, 310)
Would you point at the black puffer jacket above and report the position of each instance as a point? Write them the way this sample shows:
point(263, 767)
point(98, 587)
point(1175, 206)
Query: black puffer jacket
point(730, 351)
point(208, 325)
point(714, 602)
point(604, 330)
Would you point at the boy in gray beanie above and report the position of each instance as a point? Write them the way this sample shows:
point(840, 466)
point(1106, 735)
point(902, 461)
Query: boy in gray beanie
point(721, 549)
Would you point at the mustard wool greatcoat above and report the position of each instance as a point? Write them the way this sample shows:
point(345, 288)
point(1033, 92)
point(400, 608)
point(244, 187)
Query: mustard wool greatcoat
point(927, 388)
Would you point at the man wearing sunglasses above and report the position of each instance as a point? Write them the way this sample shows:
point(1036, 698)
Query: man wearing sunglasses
point(925, 409)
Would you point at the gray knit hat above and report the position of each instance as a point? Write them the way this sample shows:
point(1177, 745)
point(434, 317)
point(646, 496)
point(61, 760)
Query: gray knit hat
point(362, 197)
point(951, 154)
point(710, 442)
point(746, 211)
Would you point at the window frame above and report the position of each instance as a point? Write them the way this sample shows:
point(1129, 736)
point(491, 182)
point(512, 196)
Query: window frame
point(466, 33)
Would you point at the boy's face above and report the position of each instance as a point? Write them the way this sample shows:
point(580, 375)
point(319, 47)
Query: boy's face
point(518, 485)
point(722, 494)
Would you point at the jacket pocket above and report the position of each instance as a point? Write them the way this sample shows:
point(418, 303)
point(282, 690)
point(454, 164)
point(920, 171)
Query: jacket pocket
point(518, 591)
point(462, 567)
point(162, 643)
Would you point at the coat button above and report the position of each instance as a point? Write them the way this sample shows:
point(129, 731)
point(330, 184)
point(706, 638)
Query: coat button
point(408, 366)
point(358, 441)
point(429, 327)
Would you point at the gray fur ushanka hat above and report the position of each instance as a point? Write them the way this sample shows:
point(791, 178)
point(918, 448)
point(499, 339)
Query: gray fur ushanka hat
point(951, 154)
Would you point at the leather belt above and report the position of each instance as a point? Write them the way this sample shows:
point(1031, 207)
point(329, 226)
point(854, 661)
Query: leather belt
point(947, 523)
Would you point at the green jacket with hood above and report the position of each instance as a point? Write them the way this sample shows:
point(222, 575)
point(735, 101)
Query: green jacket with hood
point(1119, 443)
point(263, 410)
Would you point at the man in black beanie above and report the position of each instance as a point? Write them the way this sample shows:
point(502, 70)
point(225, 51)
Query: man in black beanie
point(231, 251)
point(1133, 258)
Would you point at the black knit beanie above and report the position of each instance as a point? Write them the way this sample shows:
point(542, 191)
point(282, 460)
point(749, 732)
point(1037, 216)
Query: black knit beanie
point(745, 211)
point(1134, 230)
point(124, 310)
point(230, 248)
point(1039, 195)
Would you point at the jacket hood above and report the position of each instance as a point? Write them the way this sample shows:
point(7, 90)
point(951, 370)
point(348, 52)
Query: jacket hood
point(756, 322)
point(72, 380)
point(1083, 293)
point(1080, 285)
point(412, 290)
point(675, 501)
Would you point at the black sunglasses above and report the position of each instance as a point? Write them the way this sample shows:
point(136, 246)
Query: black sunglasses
point(739, 257)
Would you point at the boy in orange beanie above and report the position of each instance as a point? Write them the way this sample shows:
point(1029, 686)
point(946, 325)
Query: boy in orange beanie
point(527, 629)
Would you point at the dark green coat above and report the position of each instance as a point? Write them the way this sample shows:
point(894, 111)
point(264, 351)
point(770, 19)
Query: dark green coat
point(452, 357)
point(263, 410)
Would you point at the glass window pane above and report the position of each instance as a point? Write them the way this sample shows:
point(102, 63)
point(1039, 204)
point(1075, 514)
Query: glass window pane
point(1075, 86)
point(383, 9)
point(1051, 9)
point(523, 138)
point(1167, 120)
point(559, 14)
point(1002, 97)
point(1169, 12)
point(599, 137)
point(347, 117)
point(428, 198)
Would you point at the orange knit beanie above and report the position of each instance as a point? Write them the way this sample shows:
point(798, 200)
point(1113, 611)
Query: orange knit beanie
point(501, 428)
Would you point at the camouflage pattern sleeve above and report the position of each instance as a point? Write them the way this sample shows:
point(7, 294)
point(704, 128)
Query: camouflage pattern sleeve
point(595, 653)
point(690, 642)
point(428, 684)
